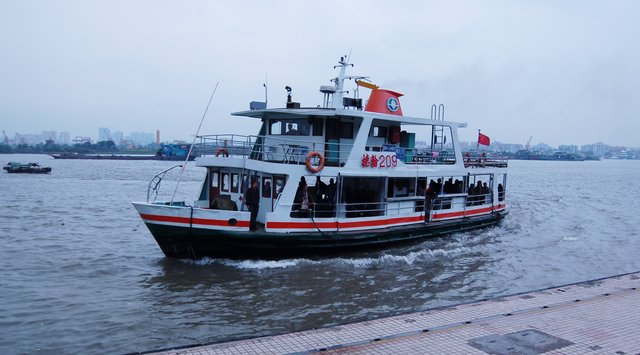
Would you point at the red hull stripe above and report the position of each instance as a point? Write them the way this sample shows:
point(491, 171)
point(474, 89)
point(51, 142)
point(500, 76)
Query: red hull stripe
point(325, 225)
point(467, 213)
point(201, 221)
point(335, 225)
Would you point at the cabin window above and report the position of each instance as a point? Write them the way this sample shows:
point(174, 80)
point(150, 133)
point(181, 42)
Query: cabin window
point(303, 200)
point(401, 187)
point(266, 187)
point(294, 128)
point(379, 131)
point(316, 197)
point(422, 186)
point(215, 179)
point(363, 197)
point(346, 130)
point(245, 183)
point(278, 185)
point(275, 127)
point(235, 182)
point(297, 127)
point(501, 187)
point(317, 124)
point(289, 127)
point(453, 185)
point(480, 189)
point(225, 182)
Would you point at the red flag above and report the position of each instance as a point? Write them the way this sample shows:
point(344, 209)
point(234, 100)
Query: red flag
point(484, 140)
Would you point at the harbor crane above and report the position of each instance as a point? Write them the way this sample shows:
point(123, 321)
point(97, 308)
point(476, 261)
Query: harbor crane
point(527, 147)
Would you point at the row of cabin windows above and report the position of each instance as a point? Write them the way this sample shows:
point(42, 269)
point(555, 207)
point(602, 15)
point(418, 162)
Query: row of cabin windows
point(365, 196)
point(312, 125)
point(396, 187)
point(238, 183)
point(406, 187)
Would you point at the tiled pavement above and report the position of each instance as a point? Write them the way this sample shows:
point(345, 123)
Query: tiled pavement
point(595, 317)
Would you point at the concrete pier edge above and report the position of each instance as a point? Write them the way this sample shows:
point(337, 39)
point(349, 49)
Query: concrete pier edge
point(387, 330)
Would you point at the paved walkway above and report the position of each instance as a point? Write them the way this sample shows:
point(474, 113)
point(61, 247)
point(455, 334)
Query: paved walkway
point(595, 317)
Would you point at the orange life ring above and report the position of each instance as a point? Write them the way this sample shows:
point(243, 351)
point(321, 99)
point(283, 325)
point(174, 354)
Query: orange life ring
point(222, 151)
point(311, 168)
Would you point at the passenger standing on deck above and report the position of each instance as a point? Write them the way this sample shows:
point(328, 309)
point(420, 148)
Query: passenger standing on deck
point(252, 198)
point(430, 195)
point(321, 189)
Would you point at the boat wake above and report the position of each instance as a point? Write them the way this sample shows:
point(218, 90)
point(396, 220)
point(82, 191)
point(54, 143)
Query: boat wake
point(386, 259)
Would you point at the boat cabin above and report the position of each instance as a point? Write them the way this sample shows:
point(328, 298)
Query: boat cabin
point(371, 166)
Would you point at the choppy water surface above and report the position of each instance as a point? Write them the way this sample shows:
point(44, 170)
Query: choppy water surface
point(80, 273)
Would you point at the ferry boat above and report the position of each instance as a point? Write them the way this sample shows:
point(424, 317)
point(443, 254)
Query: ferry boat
point(332, 179)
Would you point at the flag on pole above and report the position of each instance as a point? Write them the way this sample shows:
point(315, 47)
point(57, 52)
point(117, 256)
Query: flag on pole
point(484, 140)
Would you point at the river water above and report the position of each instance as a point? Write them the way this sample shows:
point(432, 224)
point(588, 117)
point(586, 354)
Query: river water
point(81, 274)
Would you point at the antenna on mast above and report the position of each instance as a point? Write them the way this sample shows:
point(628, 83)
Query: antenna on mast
point(266, 96)
point(339, 81)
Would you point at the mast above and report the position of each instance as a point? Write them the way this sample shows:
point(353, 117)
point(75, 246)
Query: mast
point(343, 63)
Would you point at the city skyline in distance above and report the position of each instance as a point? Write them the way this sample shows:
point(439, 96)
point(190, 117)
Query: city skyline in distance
point(145, 138)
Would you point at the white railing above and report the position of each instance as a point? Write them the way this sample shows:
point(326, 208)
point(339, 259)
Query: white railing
point(383, 208)
point(276, 149)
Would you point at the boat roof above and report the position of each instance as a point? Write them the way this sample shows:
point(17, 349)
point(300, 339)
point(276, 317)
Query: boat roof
point(290, 113)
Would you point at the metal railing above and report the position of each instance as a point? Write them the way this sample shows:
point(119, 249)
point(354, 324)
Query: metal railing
point(382, 208)
point(271, 148)
point(154, 184)
point(482, 160)
point(225, 144)
point(427, 156)
point(285, 150)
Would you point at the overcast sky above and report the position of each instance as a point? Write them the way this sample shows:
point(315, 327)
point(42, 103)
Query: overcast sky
point(564, 72)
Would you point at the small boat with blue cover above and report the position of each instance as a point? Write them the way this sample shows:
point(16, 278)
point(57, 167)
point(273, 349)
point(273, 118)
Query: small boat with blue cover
point(26, 168)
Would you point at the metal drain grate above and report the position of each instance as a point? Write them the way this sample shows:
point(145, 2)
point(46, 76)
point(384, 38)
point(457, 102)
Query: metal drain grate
point(526, 342)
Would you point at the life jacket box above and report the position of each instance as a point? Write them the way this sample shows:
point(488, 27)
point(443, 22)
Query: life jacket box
point(408, 140)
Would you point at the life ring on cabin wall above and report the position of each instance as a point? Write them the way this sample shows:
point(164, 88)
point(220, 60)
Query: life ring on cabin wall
point(223, 151)
point(310, 167)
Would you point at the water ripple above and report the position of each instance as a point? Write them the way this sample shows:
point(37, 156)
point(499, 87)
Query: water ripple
point(81, 273)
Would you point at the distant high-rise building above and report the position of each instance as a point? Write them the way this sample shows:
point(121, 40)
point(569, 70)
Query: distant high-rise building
point(64, 138)
point(48, 135)
point(118, 137)
point(104, 134)
point(510, 147)
point(141, 138)
point(568, 148)
point(598, 149)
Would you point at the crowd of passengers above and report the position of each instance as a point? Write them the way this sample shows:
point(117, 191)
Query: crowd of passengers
point(479, 193)
point(320, 201)
point(321, 198)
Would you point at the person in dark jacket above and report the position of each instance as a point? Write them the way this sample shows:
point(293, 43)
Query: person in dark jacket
point(252, 199)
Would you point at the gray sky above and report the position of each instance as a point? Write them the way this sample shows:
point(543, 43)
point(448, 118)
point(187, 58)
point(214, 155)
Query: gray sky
point(564, 72)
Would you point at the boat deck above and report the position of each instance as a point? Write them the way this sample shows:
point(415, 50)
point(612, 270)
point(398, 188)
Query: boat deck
point(595, 317)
